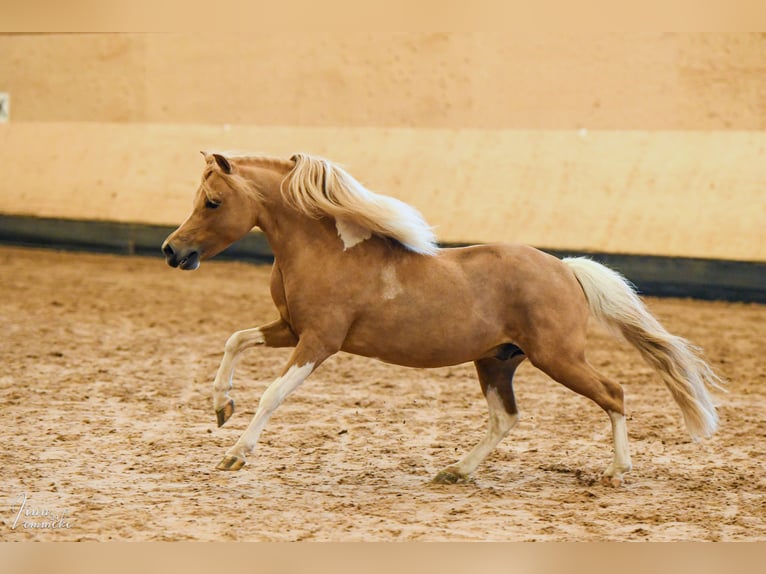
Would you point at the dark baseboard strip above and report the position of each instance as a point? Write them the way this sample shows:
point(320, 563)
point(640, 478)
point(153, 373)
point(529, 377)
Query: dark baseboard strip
point(112, 237)
point(711, 279)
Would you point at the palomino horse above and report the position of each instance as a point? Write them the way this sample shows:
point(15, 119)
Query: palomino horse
point(360, 272)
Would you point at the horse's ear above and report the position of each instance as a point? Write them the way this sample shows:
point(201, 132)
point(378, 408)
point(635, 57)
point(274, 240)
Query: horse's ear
point(222, 162)
point(205, 155)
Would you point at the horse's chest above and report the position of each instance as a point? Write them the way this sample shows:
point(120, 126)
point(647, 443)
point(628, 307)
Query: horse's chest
point(278, 294)
point(329, 297)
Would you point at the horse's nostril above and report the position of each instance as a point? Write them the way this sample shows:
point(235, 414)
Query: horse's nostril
point(168, 250)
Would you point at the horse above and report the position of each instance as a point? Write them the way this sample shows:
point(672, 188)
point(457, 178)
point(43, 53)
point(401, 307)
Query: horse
point(361, 272)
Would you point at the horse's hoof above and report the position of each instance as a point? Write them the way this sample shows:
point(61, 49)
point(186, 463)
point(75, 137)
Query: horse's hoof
point(613, 481)
point(450, 476)
point(224, 413)
point(230, 462)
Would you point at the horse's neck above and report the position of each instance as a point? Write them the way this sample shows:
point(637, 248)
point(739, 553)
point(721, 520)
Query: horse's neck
point(311, 245)
point(294, 236)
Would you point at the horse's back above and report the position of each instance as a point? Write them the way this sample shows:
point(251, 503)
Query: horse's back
point(524, 284)
point(513, 264)
point(496, 251)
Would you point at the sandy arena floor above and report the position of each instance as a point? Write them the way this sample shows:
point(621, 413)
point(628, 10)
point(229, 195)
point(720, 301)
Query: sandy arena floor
point(105, 389)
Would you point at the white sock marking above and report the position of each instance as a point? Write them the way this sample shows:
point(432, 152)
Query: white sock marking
point(622, 463)
point(270, 400)
point(237, 343)
point(500, 424)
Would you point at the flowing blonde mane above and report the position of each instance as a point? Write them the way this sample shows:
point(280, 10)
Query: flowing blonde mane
point(317, 187)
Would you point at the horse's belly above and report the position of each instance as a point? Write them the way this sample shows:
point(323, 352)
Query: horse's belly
point(423, 345)
point(424, 358)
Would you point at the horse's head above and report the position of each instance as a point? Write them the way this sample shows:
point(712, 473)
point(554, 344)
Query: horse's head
point(224, 212)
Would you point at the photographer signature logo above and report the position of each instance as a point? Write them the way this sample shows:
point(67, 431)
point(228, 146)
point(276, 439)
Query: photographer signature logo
point(27, 516)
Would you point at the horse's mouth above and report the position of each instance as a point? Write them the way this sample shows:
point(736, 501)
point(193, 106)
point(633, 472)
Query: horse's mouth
point(187, 263)
point(190, 262)
point(186, 258)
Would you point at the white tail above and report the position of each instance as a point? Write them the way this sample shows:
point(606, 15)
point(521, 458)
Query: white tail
point(614, 303)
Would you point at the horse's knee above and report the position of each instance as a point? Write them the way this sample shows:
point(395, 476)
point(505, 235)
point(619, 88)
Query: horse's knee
point(232, 343)
point(241, 340)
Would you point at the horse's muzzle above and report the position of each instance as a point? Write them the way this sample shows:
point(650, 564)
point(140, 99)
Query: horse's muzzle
point(187, 260)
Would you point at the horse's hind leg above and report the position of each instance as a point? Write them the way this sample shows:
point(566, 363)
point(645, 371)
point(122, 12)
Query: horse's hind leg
point(570, 368)
point(274, 334)
point(496, 378)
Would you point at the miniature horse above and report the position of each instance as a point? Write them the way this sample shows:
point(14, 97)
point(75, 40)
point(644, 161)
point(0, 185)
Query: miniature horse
point(360, 272)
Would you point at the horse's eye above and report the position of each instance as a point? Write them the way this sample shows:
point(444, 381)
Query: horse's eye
point(210, 204)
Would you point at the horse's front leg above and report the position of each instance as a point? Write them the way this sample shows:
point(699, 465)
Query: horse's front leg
point(274, 334)
point(307, 356)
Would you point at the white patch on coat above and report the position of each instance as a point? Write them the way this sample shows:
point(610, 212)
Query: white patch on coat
point(351, 233)
point(391, 285)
